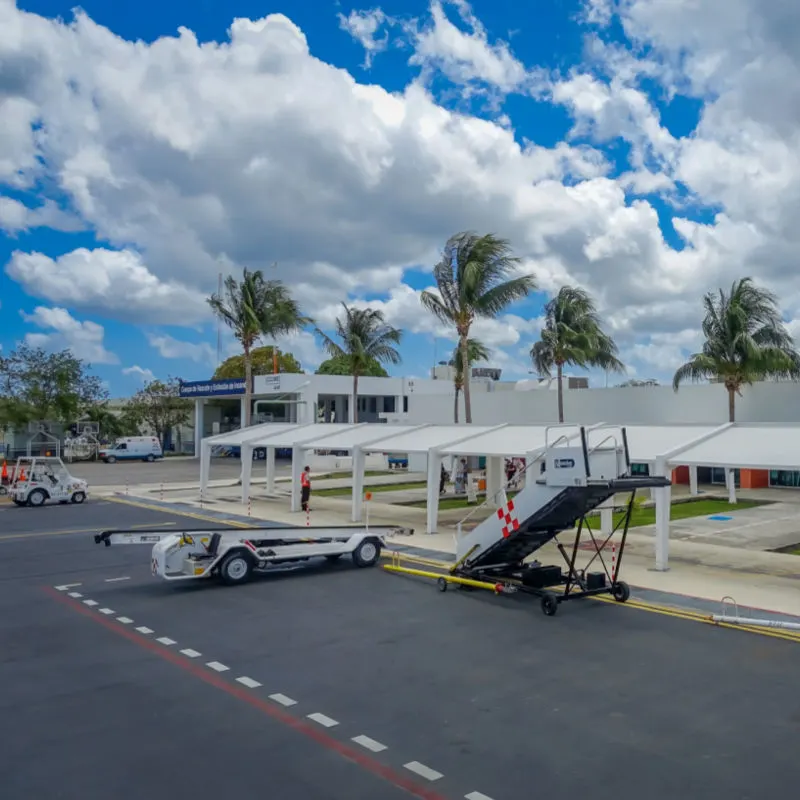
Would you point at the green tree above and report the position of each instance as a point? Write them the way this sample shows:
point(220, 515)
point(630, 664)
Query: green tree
point(261, 363)
point(112, 425)
point(37, 385)
point(573, 334)
point(365, 338)
point(158, 405)
point(745, 341)
point(474, 280)
point(341, 366)
point(253, 308)
point(476, 351)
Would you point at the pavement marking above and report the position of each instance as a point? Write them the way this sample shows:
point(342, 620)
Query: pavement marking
point(283, 700)
point(115, 580)
point(75, 594)
point(91, 603)
point(370, 744)
point(66, 586)
point(321, 719)
point(477, 796)
point(423, 771)
point(217, 667)
point(144, 630)
point(68, 531)
point(124, 620)
point(248, 682)
point(106, 611)
point(166, 640)
point(191, 653)
point(203, 517)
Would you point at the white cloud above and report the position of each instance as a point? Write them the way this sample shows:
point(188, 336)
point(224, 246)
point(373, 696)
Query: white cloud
point(142, 374)
point(169, 347)
point(364, 26)
point(84, 339)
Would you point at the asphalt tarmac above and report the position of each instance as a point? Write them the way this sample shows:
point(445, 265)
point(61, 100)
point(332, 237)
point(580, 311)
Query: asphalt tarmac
point(341, 683)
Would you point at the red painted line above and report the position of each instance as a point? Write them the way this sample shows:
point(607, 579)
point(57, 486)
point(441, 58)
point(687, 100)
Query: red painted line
point(329, 743)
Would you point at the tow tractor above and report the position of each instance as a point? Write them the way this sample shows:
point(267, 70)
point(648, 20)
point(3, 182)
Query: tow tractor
point(233, 556)
point(38, 480)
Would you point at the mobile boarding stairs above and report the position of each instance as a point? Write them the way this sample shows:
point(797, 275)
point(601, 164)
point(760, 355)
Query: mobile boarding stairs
point(575, 479)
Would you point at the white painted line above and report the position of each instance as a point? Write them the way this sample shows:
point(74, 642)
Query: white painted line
point(191, 653)
point(217, 667)
point(321, 719)
point(124, 620)
point(423, 771)
point(66, 586)
point(114, 580)
point(91, 603)
point(370, 744)
point(144, 630)
point(477, 796)
point(106, 611)
point(75, 594)
point(248, 682)
point(166, 640)
point(283, 699)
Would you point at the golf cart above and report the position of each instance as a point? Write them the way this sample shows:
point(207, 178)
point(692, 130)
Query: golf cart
point(39, 480)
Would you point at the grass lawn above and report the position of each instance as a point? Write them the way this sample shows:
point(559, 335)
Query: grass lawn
point(338, 491)
point(370, 473)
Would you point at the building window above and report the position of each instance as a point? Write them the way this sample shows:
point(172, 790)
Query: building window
point(718, 476)
point(405, 404)
point(784, 478)
point(640, 469)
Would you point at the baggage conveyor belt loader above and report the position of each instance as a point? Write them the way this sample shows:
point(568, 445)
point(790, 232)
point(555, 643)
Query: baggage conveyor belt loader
point(577, 478)
point(233, 555)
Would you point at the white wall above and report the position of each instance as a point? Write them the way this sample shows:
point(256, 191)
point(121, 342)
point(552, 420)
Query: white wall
point(763, 402)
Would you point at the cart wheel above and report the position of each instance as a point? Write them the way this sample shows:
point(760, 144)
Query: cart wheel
point(441, 584)
point(37, 497)
point(549, 604)
point(110, 459)
point(620, 591)
point(367, 553)
point(235, 569)
point(150, 458)
point(78, 497)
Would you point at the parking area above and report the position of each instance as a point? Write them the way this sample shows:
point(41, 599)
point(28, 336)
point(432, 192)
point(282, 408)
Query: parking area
point(344, 684)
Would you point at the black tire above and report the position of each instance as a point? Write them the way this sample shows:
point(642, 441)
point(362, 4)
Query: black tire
point(78, 497)
point(441, 584)
point(40, 495)
point(621, 592)
point(236, 568)
point(150, 459)
point(549, 604)
point(110, 459)
point(367, 554)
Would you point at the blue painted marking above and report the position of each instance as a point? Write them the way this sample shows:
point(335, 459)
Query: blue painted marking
point(720, 518)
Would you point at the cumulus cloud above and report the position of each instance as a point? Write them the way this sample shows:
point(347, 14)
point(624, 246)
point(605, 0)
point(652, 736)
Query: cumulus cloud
point(142, 374)
point(84, 339)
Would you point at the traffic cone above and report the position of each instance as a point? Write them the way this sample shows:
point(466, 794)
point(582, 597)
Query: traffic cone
point(4, 473)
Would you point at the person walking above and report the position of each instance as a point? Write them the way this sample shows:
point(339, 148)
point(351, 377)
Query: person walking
point(305, 487)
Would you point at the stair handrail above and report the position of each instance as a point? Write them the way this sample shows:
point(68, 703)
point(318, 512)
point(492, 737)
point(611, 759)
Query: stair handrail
point(601, 443)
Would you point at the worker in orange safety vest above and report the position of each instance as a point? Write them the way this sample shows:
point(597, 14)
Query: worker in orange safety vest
point(305, 487)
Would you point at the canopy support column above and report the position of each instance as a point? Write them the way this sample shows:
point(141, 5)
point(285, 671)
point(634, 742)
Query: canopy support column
point(298, 456)
point(359, 464)
point(270, 470)
point(663, 508)
point(434, 470)
point(246, 455)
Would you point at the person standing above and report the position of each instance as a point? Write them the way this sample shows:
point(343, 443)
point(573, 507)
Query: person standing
point(305, 487)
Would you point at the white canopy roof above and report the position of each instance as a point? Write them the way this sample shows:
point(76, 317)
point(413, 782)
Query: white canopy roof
point(294, 435)
point(421, 440)
point(237, 437)
point(364, 434)
point(647, 442)
point(746, 447)
point(510, 440)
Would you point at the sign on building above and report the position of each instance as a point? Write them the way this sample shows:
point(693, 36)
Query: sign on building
point(212, 388)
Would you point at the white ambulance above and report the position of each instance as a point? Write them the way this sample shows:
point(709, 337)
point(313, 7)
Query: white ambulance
point(133, 448)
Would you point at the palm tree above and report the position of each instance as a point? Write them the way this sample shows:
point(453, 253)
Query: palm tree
point(745, 341)
point(573, 334)
point(253, 308)
point(473, 280)
point(366, 338)
point(476, 351)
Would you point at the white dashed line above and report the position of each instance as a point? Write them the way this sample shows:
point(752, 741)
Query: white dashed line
point(66, 586)
point(166, 640)
point(321, 719)
point(144, 630)
point(106, 611)
point(124, 620)
point(370, 744)
point(423, 771)
point(91, 603)
point(217, 667)
point(248, 682)
point(191, 653)
point(477, 796)
point(75, 594)
point(114, 580)
point(283, 700)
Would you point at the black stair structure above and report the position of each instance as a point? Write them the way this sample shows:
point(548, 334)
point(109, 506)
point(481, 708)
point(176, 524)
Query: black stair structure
point(504, 562)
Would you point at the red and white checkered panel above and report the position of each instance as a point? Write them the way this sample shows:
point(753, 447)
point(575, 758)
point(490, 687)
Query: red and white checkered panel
point(511, 522)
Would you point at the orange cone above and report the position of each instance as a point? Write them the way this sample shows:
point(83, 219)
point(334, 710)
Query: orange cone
point(4, 473)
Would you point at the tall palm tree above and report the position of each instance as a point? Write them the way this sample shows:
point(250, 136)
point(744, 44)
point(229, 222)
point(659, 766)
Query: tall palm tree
point(745, 341)
point(252, 308)
point(476, 351)
point(573, 334)
point(365, 338)
point(474, 279)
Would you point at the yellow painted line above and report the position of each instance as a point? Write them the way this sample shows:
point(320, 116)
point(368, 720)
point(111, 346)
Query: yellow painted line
point(189, 514)
point(67, 531)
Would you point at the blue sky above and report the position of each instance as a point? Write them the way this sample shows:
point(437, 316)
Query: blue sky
point(585, 136)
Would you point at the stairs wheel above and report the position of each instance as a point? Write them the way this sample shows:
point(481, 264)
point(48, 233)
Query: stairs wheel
point(620, 591)
point(441, 585)
point(549, 604)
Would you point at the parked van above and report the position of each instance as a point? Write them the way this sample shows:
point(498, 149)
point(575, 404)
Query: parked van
point(133, 448)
